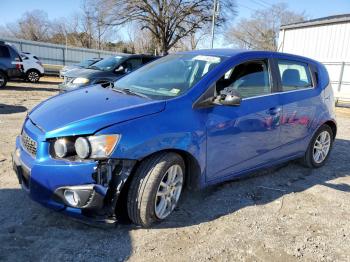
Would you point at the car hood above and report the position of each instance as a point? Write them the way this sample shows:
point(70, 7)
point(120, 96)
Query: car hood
point(85, 111)
point(71, 67)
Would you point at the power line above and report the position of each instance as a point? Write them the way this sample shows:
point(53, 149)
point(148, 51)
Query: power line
point(247, 7)
point(265, 2)
point(260, 3)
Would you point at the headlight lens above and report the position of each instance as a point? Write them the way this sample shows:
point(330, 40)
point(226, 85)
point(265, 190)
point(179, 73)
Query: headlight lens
point(82, 147)
point(63, 147)
point(100, 146)
point(80, 80)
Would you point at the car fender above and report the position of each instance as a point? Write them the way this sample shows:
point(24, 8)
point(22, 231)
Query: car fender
point(150, 134)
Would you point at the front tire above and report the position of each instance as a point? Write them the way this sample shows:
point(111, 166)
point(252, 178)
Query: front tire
point(319, 148)
point(3, 79)
point(33, 76)
point(156, 188)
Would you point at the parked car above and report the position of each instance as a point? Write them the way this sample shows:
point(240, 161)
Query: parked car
point(83, 64)
point(105, 71)
point(33, 68)
point(190, 119)
point(10, 63)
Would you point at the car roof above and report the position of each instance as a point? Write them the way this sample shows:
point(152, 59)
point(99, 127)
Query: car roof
point(234, 52)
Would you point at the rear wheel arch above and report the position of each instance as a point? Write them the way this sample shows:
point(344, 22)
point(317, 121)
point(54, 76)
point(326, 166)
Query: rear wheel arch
point(333, 126)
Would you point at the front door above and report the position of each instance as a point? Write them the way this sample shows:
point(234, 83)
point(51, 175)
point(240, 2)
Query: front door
point(243, 137)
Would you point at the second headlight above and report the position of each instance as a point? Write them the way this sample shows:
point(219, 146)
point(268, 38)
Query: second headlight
point(80, 80)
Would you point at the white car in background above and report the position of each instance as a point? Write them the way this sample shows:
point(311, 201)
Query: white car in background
point(33, 68)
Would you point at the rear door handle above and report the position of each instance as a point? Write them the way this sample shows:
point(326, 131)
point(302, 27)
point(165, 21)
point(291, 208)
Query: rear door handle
point(274, 111)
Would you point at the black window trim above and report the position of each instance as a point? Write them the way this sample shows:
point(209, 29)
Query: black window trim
point(279, 77)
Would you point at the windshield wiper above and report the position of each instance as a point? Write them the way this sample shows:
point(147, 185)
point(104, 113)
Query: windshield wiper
point(127, 91)
point(94, 67)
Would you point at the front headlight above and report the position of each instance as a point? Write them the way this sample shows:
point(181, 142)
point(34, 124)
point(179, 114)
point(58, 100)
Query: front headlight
point(95, 147)
point(80, 80)
point(99, 146)
point(63, 147)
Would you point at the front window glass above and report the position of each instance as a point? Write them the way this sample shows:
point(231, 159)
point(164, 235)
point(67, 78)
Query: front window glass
point(294, 75)
point(248, 79)
point(169, 76)
point(108, 64)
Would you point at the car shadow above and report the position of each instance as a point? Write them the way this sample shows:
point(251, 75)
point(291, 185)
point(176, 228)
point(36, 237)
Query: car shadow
point(25, 225)
point(11, 109)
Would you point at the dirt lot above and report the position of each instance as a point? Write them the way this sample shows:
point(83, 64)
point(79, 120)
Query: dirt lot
point(286, 214)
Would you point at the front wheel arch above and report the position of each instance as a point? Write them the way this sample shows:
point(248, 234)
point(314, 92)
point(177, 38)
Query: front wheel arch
point(192, 177)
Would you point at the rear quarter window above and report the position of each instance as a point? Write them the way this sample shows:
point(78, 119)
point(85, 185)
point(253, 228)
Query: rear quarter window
point(294, 75)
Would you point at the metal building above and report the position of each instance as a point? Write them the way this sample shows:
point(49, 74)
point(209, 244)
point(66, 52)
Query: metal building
point(327, 40)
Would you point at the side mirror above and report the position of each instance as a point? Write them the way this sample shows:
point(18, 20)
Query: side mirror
point(229, 100)
point(120, 69)
point(225, 100)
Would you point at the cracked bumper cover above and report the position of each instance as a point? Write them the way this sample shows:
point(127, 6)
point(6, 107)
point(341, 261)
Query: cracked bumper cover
point(98, 184)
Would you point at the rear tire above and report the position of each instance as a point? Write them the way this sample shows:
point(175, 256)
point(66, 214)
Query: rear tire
point(33, 76)
point(3, 79)
point(150, 198)
point(319, 148)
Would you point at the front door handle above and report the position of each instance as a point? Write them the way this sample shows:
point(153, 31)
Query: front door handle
point(274, 111)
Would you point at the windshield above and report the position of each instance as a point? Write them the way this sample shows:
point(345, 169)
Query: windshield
point(108, 64)
point(87, 63)
point(169, 76)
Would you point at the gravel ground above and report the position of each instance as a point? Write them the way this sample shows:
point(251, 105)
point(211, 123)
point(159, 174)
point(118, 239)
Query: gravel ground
point(283, 214)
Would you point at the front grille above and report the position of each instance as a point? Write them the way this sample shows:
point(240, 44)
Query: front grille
point(29, 144)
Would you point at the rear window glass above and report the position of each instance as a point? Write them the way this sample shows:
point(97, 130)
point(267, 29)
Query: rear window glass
point(294, 75)
point(4, 52)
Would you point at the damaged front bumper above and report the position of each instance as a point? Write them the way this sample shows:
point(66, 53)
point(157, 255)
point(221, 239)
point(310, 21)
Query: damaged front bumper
point(87, 190)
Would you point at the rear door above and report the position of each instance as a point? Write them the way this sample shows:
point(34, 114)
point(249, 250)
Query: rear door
point(244, 137)
point(300, 98)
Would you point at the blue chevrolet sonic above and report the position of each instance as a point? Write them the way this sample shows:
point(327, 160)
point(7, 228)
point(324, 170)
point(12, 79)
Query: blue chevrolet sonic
point(190, 119)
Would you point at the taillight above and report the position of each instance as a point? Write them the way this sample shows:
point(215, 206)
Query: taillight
point(39, 62)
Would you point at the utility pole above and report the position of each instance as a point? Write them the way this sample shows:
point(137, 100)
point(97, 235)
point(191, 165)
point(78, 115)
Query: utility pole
point(215, 14)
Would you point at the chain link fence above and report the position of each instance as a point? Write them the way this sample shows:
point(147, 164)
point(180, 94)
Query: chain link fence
point(53, 56)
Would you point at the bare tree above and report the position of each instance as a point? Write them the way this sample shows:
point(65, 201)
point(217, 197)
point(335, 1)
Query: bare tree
point(33, 25)
point(96, 19)
point(261, 30)
point(169, 21)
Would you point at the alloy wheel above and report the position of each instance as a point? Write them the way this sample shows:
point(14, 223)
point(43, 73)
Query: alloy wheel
point(169, 191)
point(33, 76)
point(2, 80)
point(321, 147)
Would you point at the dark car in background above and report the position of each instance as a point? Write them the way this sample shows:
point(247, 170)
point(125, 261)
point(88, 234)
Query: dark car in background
point(83, 64)
point(10, 63)
point(105, 71)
